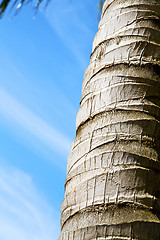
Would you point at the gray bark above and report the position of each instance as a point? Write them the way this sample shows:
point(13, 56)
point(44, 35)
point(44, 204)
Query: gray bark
point(112, 190)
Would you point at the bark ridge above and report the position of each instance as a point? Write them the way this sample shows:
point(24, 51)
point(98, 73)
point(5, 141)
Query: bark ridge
point(112, 190)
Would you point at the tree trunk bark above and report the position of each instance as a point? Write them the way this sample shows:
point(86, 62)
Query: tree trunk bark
point(112, 190)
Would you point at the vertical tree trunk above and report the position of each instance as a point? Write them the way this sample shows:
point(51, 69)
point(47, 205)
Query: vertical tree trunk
point(112, 189)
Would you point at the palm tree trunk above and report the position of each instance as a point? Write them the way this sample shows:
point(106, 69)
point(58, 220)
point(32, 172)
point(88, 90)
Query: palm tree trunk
point(112, 189)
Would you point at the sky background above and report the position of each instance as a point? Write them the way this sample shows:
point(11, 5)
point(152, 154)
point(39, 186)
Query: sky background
point(42, 61)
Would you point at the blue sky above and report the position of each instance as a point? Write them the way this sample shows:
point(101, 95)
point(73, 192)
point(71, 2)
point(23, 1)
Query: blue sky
point(42, 62)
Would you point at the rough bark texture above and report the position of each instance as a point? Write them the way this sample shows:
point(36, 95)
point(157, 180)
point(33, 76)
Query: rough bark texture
point(112, 189)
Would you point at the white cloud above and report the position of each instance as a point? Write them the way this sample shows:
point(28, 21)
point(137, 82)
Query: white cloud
point(24, 214)
point(18, 114)
point(65, 21)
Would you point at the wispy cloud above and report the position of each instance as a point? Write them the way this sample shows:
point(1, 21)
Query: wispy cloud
point(22, 117)
point(24, 214)
point(65, 21)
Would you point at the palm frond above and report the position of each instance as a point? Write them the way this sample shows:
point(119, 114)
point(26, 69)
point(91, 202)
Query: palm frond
point(19, 4)
point(100, 5)
point(99, 8)
point(3, 6)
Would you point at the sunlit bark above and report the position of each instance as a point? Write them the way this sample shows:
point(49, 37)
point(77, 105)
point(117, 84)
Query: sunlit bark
point(112, 189)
